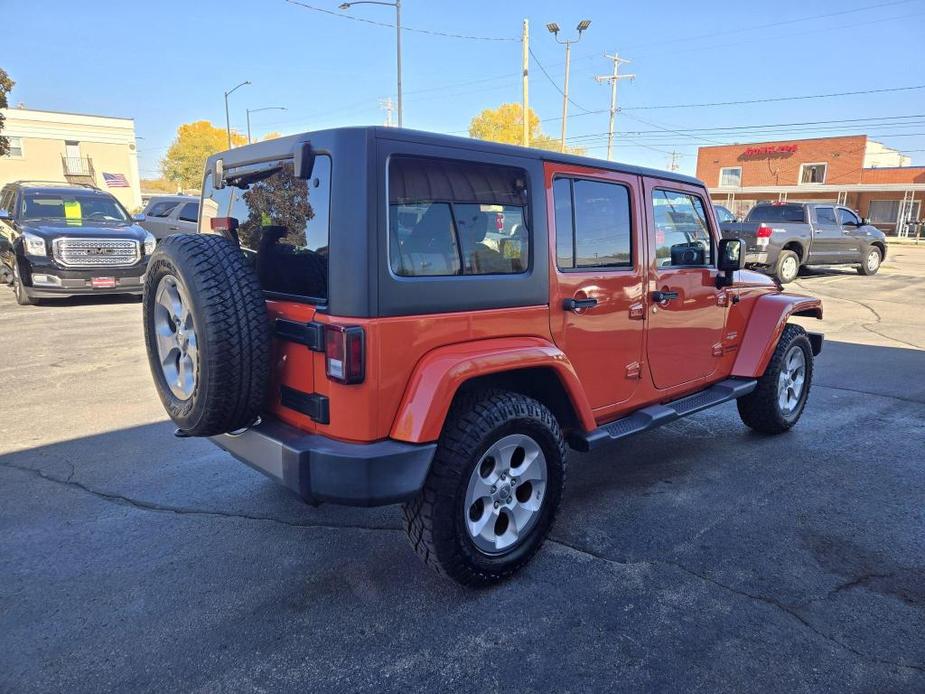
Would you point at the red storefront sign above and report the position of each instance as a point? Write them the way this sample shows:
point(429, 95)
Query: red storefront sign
point(766, 150)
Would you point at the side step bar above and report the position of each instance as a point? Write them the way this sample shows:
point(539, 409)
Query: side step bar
point(656, 415)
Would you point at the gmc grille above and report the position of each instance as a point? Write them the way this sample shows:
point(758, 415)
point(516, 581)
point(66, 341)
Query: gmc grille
point(96, 252)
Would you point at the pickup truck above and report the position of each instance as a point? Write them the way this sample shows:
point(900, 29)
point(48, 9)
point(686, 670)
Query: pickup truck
point(782, 237)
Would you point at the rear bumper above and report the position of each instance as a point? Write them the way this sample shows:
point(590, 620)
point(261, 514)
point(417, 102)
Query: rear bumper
point(320, 469)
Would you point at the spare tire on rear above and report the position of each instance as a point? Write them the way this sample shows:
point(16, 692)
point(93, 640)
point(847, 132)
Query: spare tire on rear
point(207, 334)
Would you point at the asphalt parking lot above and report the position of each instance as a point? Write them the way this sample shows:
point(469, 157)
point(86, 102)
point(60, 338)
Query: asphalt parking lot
point(697, 557)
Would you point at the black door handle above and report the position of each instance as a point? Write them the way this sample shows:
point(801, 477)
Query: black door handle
point(575, 304)
point(660, 297)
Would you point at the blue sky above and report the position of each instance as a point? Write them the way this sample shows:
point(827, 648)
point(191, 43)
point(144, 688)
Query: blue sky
point(166, 63)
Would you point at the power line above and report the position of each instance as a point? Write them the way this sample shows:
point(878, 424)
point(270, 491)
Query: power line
point(555, 84)
point(404, 28)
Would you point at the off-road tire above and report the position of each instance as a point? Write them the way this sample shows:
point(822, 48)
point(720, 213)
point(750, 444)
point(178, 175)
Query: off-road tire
point(232, 330)
point(761, 409)
point(19, 290)
point(434, 520)
point(780, 271)
point(864, 268)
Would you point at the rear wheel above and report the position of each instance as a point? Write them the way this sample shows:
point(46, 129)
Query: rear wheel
point(788, 267)
point(780, 397)
point(493, 489)
point(871, 262)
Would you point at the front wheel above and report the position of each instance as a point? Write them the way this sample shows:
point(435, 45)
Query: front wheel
point(778, 401)
point(871, 262)
point(493, 489)
point(19, 290)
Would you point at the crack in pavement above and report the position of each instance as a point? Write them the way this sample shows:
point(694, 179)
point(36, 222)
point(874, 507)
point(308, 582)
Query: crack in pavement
point(868, 392)
point(122, 500)
point(783, 607)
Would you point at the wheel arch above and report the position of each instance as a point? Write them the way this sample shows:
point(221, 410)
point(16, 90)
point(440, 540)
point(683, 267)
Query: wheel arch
point(765, 325)
point(529, 365)
point(797, 248)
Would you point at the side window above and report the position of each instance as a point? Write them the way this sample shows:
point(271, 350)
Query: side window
point(283, 224)
point(190, 212)
point(162, 208)
point(6, 201)
point(847, 217)
point(825, 215)
point(682, 236)
point(456, 218)
point(593, 228)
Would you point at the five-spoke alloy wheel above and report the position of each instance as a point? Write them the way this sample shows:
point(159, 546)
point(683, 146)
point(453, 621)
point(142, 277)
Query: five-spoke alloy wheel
point(493, 489)
point(177, 347)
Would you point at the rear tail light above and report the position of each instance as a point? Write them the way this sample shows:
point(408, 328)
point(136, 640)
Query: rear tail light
point(223, 224)
point(344, 353)
point(764, 232)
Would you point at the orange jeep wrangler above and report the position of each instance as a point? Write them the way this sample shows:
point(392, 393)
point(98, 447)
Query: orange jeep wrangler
point(376, 316)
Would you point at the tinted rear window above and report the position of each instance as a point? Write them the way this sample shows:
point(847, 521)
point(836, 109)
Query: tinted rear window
point(776, 213)
point(283, 226)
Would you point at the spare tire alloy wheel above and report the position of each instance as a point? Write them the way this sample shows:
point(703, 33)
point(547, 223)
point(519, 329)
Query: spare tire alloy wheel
point(505, 494)
point(207, 334)
point(177, 348)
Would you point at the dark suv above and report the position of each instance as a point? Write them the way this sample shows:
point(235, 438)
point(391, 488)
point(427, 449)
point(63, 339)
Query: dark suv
point(59, 239)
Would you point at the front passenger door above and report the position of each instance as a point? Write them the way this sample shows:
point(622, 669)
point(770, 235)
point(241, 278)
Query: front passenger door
point(852, 235)
point(685, 315)
point(828, 245)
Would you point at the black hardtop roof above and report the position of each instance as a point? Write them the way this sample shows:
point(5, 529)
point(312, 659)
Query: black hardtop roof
point(268, 149)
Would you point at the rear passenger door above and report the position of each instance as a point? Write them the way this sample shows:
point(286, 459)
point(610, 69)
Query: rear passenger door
point(187, 220)
point(828, 245)
point(596, 290)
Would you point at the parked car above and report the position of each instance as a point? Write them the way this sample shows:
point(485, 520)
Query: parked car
point(723, 214)
point(782, 237)
point(171, 214)
point(430, 320)
point(59, 240)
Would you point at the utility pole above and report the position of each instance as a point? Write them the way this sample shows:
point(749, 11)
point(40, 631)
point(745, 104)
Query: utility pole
point(674, 165)
point(386, 105)
point(613, 79)
point(553, 29)
point(525, 39)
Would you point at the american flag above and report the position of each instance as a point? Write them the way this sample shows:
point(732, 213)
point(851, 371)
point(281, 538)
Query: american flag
point(115, 180)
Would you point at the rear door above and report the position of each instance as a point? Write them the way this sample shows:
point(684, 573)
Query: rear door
point(828, 245)
point(685, 315)
point(187, 218)
point(596, 289)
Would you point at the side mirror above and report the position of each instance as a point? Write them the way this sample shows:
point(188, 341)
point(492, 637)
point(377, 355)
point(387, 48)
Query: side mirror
point(865, 221)
point(4, 214)
point(138, 217)
point(303, 160)
point(731, 258)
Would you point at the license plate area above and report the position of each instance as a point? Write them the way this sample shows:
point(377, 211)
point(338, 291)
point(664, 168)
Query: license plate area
point(103, 282)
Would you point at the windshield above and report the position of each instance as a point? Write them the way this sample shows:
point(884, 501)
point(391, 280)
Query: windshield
point(72, 208)
point(776, 213)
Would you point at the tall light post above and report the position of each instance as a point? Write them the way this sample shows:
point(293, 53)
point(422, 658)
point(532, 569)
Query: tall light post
point(397, 6)
point(255, 110)
point(554, 30)
point(228, 117)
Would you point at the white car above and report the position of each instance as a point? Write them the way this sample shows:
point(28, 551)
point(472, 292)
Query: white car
point(171, 214)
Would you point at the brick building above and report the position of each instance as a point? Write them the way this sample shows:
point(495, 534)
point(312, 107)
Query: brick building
point(865, 175)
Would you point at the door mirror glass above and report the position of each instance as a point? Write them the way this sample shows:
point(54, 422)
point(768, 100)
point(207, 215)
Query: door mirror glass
point(731, 255)
point(138, 217)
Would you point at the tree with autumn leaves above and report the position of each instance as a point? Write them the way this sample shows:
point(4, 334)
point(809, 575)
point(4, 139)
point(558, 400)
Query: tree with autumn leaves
point(505, 124)
point(195, 142)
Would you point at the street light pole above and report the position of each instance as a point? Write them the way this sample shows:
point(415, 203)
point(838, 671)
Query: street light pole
point(554, 30)
point(227, 116)
point(255, 110)
point(397, 6)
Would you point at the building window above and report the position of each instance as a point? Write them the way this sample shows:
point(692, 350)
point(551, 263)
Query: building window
point(887, 211)
point(15, 147)
point(730, 177)
point(812, 173)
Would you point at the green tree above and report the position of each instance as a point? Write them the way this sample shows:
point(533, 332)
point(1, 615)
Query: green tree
point(505, 124)
point(6, 86)
point(195, 142)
